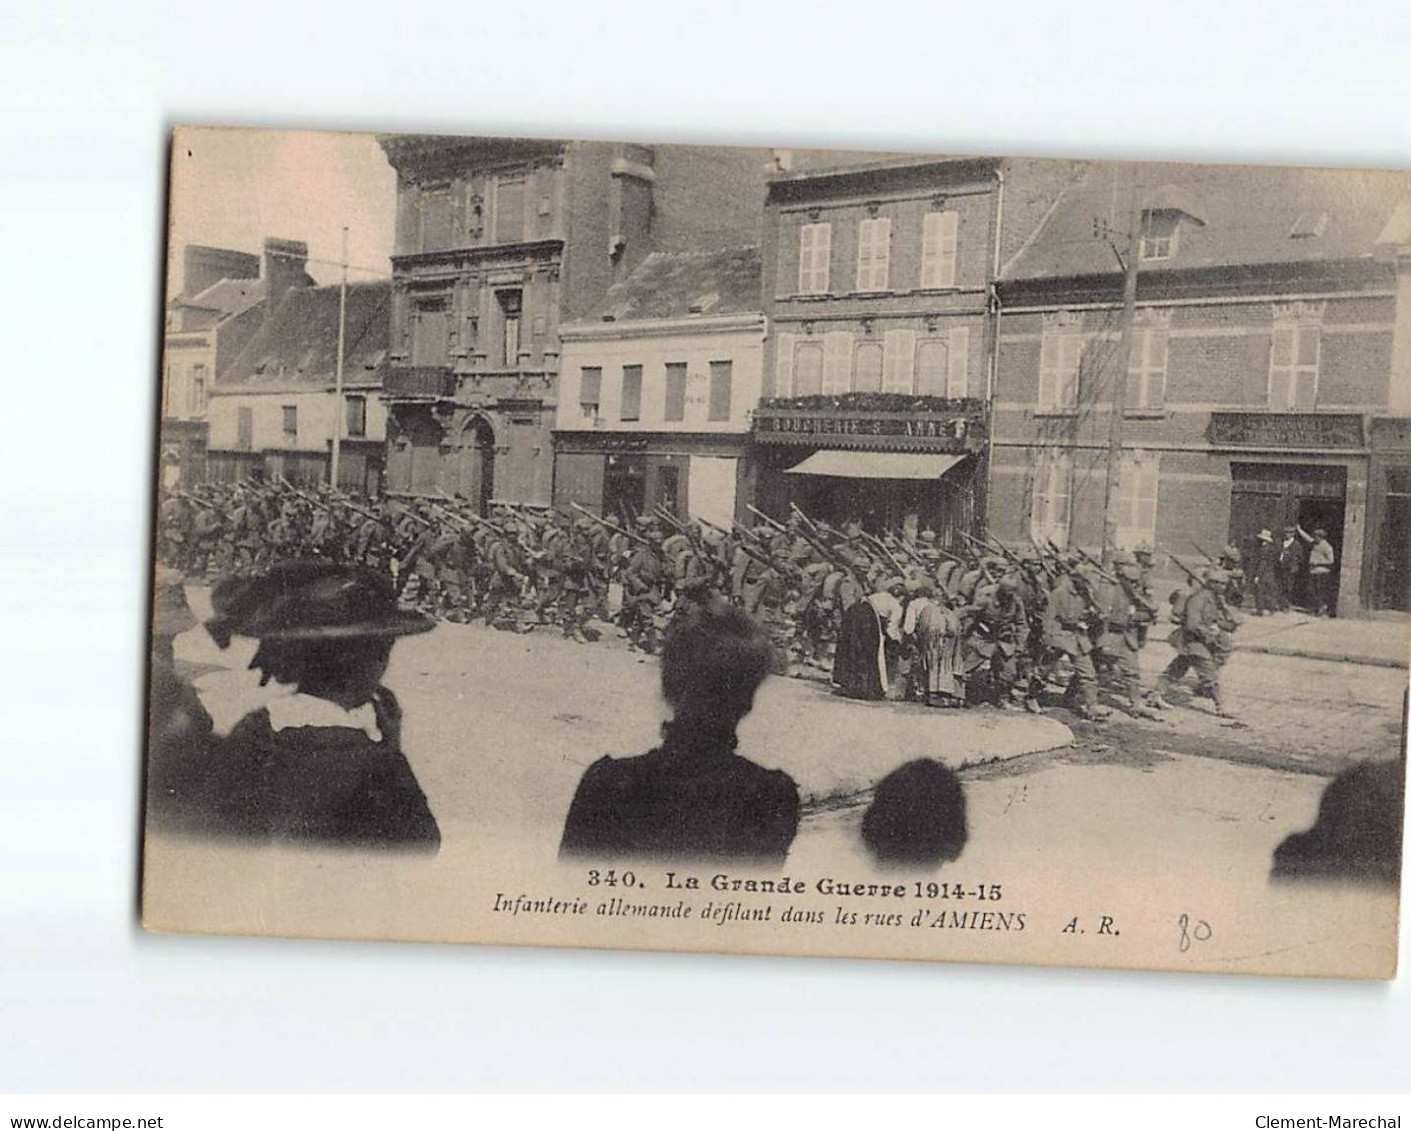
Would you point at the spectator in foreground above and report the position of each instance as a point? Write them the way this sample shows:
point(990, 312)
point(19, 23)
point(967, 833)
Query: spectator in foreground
point(1357, 836)
point(917, 817)
point(692, 797)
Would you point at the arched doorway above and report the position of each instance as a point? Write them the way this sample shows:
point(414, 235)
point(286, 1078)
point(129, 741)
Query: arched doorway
point(475, 463)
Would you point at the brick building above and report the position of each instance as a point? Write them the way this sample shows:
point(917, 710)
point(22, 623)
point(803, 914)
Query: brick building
point(877, 279)
point(274, 412)
point(498, 242)
point(656, 393)
point(1260, 389)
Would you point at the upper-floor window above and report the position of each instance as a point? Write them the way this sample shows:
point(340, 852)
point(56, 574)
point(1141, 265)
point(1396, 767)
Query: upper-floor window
point(631, 403)
point(874, 251)
point(815, 245)
point(509, 210)
point(511, 310)
point(590, 390)
point(435, 218)
point(1060, 358)
point(356, 416)
point(291, 421)
point(197, 401)
point(1146, 372)
point(430, 320)
point(1159, 234)
point(939, 234)
point(675, 411)
point(718, 402)
point(244, 427)
point(1293, 367)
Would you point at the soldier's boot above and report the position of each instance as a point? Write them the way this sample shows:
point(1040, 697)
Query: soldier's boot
point(1156, 702)
point(1137, 709)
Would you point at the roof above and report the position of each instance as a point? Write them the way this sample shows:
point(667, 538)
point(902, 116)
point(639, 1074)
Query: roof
point(1233, 216)
point(679, 284)
point(227, 296)
point(298, 344)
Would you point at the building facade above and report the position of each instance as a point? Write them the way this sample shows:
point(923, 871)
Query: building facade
point(499, 241)
point(877, 282)
point(655, 396)
point(1260, 387)
point(276, 412)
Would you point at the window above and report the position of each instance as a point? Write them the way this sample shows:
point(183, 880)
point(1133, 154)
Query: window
point(590, 390)
point(1293, 367)
point(932, 357)
point(1052, 500)
point(1146, 373)
point(511, 309)
point(808, 370)
point(1160, 227)
point(938, 246)
point(675, 391)
point(631, 406)
point(815, 242)
point(435, 209)
point(1136, 499)
point(509, 211)
point(1060, 357)
point(197, 402)
point(431, 332)
point(721, 374)
point(868, 377)
point(898, 358)
point(244, 427)
point(291, 422)
point(356, 416)
point(874, 250)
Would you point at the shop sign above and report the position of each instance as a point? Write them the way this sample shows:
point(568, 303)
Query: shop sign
point(1285, 430)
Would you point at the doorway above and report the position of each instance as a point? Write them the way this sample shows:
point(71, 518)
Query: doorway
point(475, 464)
point(625, 486)
point(1275, 496)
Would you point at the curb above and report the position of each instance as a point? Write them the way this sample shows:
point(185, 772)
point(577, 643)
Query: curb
point(1334, 657)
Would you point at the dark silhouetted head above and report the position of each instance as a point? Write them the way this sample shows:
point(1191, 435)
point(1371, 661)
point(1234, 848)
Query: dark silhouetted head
point(917, 817)
point(712, 662)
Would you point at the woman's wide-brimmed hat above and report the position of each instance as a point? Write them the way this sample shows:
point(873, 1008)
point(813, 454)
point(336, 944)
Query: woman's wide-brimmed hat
point(310, 600)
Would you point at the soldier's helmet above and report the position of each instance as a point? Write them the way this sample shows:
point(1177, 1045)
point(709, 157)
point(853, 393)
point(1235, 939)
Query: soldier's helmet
point(1009, 583)
point(1122, 558)
point(1130, 570)
point(1143, 553)
point(928, 535)
point(1217, 577)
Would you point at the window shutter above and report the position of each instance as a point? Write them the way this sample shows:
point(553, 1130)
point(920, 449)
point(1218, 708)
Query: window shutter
point(1137, 369)
point(822, 263)
point(784, 366)
point(931, 367)
point(1069, 372)
point(1282, 347)
point(1150, 477)
point(631, 404)
point(899, 348)
point(837, 361)
point(957, 367)
point(863, 281)
point(939, 232)
point(1157, 345)
point(1061, 496)
point(1048, 368)
point(721, 378)
point(814, 245)
point(1305, 393)
point(874, 240)
point(675, 407)
point(591, 387)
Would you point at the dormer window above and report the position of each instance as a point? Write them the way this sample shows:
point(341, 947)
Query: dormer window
point(1309, 226)
point(1160, 230)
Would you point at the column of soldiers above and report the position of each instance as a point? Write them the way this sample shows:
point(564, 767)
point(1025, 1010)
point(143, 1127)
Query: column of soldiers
point(986, 624)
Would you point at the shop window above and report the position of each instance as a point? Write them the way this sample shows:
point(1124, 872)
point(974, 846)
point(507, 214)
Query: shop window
point(675, 392)
point(631, 403)
point(721, 377)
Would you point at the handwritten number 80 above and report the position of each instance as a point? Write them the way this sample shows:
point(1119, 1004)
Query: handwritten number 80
point(1196, 932)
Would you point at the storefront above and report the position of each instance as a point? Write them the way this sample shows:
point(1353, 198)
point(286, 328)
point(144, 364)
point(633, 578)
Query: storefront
point(1388, 564)
point(622, 475)
point(890, 462)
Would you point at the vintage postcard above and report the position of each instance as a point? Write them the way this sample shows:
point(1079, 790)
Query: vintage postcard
point(782, 551)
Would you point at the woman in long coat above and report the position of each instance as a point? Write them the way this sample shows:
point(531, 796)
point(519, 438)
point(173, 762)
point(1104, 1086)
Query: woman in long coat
point(934, 630)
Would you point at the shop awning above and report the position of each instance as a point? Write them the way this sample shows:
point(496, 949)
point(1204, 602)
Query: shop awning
point(877, 465)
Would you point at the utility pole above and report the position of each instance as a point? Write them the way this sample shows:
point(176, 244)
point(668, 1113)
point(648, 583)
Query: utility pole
point(338, 370)
point(1123, 363)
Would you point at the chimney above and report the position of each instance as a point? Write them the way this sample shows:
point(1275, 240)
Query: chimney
point(285, 268)
point(202, 266)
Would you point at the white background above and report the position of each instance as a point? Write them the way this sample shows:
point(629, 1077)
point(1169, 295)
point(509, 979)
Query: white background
point(87, 94)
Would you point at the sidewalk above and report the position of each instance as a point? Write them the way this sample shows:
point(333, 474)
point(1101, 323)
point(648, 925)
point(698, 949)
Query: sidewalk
point(1382, 641)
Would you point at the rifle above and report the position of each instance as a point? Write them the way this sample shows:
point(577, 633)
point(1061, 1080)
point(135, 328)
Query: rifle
point(1097, 568)
point(779, 526)
point(610, 525)
point(193, 499)
point(1202, 552)
point(1049, 571)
